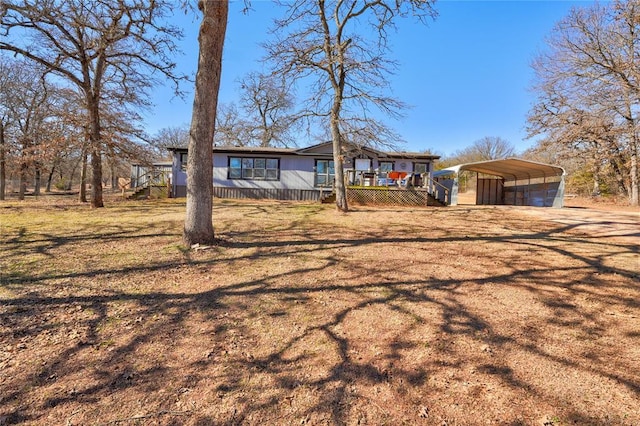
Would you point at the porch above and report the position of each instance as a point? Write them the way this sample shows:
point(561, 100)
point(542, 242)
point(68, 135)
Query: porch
point(375, 190)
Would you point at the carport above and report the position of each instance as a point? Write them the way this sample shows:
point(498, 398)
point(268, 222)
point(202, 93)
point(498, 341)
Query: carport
point(510, 181)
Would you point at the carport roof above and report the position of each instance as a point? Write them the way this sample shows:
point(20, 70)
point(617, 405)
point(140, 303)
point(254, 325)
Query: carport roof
point(509, 168)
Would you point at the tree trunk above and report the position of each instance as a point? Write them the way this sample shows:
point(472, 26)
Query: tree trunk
point(632, 134)
point(95, 146)
point(50, 177)
point(336, 137)
point(338, 162)
point(37, 181)
point(72, 175)
point(198, 224)
point(114, 178)
point(3, 170)
point(96, 177)
point(23, 181)
point(83, 178)
point(113, 170)
point(635, 191)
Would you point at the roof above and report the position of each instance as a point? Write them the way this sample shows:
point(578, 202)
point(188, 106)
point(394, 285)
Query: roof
point(248, 149)
point(414, 155)
point(509, 168)
point(315, 150)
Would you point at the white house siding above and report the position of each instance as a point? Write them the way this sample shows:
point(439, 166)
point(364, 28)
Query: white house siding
point(180, 177)
point(295, 173)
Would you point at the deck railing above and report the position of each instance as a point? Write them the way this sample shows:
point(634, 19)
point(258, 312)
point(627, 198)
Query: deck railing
point(438, 190)
point(158, 179)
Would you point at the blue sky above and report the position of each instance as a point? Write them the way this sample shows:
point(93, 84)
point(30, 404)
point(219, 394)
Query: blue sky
point(466, 75)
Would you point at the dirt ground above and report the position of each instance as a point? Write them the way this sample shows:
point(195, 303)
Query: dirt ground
point(463, 315)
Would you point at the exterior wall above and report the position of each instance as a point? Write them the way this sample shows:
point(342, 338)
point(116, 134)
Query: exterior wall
point(178, 178)
point(549, 194)
point(268, 193)
point(403, 165)
point(295, 173)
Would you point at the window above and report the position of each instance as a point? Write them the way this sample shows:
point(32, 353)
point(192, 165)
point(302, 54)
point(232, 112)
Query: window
point(183, 161)
point(385, 167)
point(254, 168)
point(363, 164)
point(420, 167)
point(325, 173)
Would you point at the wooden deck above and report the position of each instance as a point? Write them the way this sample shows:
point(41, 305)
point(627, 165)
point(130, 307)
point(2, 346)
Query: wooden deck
point(356, 195)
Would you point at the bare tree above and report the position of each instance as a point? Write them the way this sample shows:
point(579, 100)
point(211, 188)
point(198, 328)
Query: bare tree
point(231, 128)
point(6, 87)
point(487, 148)
point(265, 117)
point(589, 88)
point(170, 137)
point(107, 49)
point(198, 224)
point(341, 48)
point(268, 102)
point(29, 104)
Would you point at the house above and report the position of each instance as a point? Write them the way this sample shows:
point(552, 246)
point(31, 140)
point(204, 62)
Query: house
point(301, 173)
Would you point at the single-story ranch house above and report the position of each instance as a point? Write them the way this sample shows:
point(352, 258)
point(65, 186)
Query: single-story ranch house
point(300, 173)
point(372, 176)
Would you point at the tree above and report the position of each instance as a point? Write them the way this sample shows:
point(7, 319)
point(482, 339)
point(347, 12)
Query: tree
point(106, 49)
point(28, 103)
point(484, 149)
point(589, 89)
point(198, 224)
point(491, 148)
point(231, 128)
point(6, 87)
point(267, 101)
point(340, 48)
point(170, 137)
point(266, 117)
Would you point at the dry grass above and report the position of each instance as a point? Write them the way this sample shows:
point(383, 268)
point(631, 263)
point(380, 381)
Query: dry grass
point(468, 315)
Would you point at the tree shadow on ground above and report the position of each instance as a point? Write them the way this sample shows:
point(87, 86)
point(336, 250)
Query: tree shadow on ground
point(296, 325)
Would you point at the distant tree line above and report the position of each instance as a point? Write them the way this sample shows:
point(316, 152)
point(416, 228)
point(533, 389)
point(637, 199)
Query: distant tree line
point(588, 97)
point(586, 114)
point(73, 95)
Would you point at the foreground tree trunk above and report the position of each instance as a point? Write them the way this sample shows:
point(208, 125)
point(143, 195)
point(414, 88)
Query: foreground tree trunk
point(198, 224)
point(338, 160)
point(96, 179)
